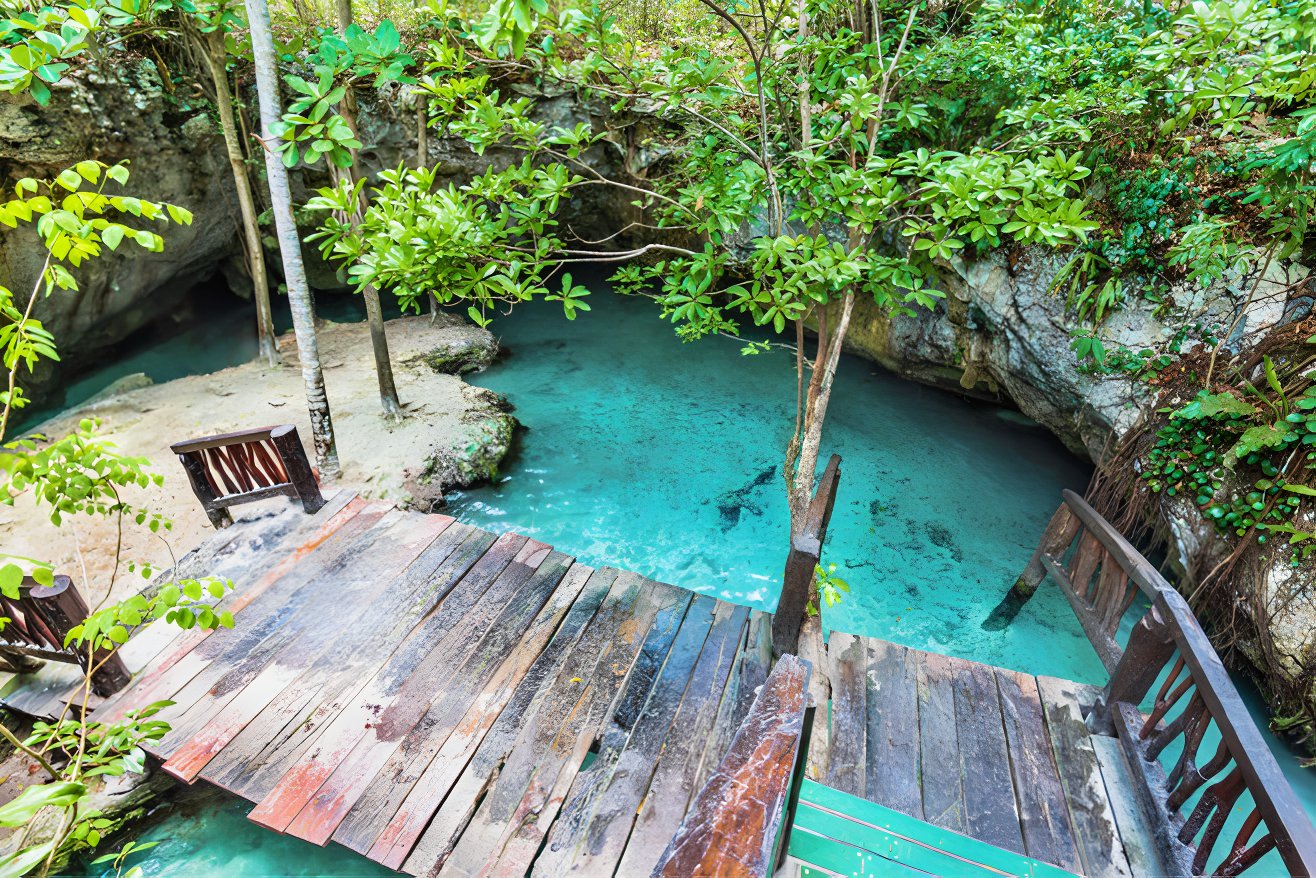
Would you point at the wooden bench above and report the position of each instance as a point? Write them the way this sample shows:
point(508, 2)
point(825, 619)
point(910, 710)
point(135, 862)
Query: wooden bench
point(246, 466)
point(39, 622)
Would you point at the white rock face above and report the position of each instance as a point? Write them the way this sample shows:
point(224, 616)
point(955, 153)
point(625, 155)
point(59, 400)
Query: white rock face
point(1001, 333)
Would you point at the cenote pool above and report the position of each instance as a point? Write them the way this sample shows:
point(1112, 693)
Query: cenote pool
point(665, 457)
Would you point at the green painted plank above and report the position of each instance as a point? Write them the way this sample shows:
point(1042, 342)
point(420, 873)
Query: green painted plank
point(839, 832)
point(834, 857)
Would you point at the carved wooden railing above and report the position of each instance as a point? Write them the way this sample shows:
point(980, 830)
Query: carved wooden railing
point(1188, 801)
point(806, 549)
point(39, 621)
point(736, 823)
point(249, 465)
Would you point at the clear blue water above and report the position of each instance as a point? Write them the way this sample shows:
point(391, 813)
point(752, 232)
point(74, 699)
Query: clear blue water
point(664, 457)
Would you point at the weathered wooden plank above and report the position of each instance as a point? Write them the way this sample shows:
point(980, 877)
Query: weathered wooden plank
point(241, 554)
point(663, 800)
point(814, 651)
point(322, 664)
point(848, 764)
point(335, 529)
point(533, 781)
point(990, 810)
point(893, 750)
point(734, 822)
point(1043, 815)
point(672, 788)
point(370, 815)
point(271, 743)
point(1095, 832)
point(228, 659)
point(446, 825)
point(383, 712)
point(599, 808)
point(1136, 835)
point(292, 649)
point(939, 744)
point(401, 834)
point(194, 650)
point(629, 710)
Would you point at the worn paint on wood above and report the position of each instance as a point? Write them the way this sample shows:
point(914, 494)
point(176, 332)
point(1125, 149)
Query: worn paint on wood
point(444, 730)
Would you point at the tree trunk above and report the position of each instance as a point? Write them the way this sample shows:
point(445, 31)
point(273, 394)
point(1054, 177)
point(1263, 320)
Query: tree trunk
point(423, 161)
point(388, 392)
point(217, 62)
point(299, 293)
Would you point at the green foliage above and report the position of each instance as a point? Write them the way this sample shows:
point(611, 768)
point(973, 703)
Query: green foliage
point(77, 216)
point(313, 125)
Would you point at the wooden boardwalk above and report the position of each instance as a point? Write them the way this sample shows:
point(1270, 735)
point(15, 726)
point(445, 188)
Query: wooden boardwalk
point(993, 754)
point(447, 701)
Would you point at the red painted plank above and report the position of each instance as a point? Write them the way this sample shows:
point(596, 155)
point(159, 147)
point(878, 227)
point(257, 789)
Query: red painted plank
point(458, 655)
point(164, 679)
point(376, 715)
point(228, 716)
point(433, 782)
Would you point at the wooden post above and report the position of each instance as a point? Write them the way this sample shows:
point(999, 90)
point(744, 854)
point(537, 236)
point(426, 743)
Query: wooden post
point(1059, 533)
point(298, 467)
point(1151, 646)
point(62, 608)
point(196, 474)
point(805, 552)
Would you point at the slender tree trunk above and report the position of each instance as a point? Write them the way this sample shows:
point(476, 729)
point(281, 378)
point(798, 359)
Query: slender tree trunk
point(217, 62)
point(388, 392)
point(423, 161)
point(299, 293)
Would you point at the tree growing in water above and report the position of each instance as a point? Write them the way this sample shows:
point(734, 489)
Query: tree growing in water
point(794, 184)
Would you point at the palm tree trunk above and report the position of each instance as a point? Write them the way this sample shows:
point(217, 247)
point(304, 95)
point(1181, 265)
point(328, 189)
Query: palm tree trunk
point(290, 245)
point(217, 62)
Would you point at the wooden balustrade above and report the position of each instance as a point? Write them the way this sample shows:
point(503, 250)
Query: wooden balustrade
point(248, 465)
point(39, 621)
point(805, 552)
point(1189, 804)
point(736, 824)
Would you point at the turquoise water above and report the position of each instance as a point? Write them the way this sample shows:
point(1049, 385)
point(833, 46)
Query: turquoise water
point(665, 458)
point(207, 833)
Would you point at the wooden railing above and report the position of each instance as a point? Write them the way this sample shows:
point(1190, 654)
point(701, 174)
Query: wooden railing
point(805, 551)
point(249, 465)
point(1188, 801)
point(736, 823)
point(40, 620)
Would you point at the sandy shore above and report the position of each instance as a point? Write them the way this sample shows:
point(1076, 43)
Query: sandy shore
point(453, 433)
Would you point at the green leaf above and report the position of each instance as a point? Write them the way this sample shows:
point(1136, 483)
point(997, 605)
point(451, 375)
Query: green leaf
point(21, 862)
point(70, 179)
point(180, 215)
point(11, 577)
point(1305, 490)
point(60, 794)
point(112, 236)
